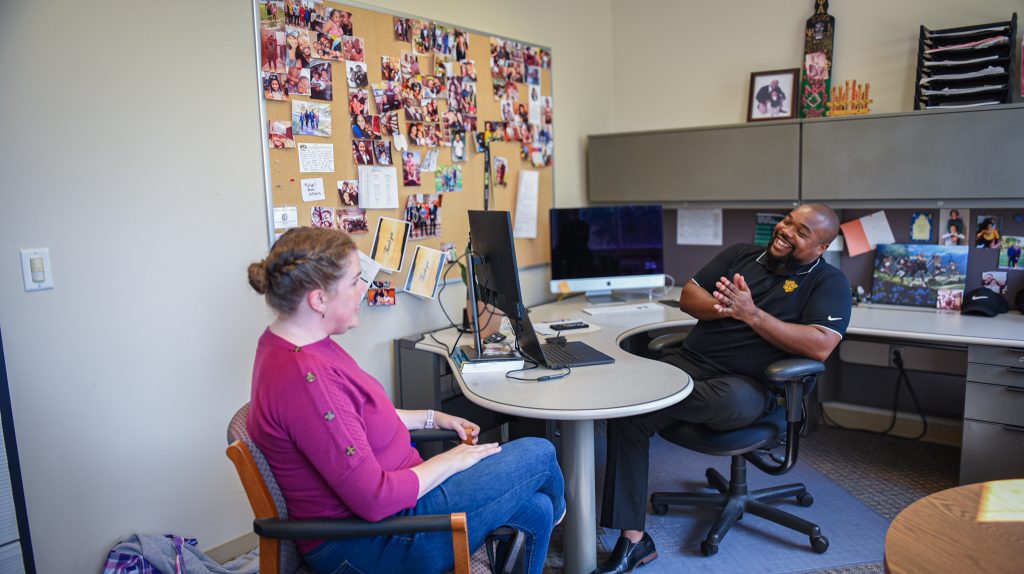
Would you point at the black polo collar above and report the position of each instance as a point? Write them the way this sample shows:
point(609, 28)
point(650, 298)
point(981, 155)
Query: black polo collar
point(802, 270)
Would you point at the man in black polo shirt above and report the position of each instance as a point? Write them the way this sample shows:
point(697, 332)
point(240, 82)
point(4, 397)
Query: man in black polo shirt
point(754, 306)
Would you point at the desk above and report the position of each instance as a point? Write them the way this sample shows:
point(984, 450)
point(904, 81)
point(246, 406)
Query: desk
point(632, 385)
point(598, 392)
point(973, 528)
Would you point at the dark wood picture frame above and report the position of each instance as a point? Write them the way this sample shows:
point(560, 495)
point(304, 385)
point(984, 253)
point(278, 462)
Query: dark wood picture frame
point(760, 105)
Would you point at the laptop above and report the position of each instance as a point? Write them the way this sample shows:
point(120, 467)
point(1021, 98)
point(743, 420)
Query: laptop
point(555, 355)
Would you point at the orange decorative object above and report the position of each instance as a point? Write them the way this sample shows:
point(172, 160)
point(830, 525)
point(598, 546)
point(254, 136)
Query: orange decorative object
point(850, 99)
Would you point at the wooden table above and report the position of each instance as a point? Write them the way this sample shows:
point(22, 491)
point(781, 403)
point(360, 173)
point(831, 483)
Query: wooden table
point(973, 528)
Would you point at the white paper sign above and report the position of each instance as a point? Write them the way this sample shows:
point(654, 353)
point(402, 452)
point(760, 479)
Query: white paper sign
point(378, 187)
point(286, 217)
point(316, 158)
point(877, 230)
point(368, 269)
point(313, 189)
point(699, 226)
point(526, 205)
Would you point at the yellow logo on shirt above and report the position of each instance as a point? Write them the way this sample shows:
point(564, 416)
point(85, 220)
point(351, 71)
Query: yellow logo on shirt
point(789, 286)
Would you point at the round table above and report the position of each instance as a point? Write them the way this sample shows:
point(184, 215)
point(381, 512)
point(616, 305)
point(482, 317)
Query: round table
point(971, 528)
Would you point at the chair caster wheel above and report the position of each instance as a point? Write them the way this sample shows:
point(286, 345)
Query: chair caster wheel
point(710, 549)
point(819, 544)
point(659, 509)
point(805, 499)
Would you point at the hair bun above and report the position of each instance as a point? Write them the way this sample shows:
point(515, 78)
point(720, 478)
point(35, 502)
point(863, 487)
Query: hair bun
point(258, 277)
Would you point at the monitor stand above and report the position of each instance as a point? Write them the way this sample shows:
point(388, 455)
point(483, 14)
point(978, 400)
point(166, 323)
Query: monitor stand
point(608, 296)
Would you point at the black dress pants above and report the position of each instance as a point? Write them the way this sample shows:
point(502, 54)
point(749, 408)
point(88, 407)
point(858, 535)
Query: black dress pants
point(719, 401)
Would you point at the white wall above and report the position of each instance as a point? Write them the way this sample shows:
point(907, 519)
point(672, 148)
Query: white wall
point(132, 151)
point(682, 64)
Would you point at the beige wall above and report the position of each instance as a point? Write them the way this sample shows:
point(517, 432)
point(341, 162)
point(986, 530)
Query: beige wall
point(682, 64)
point(132, 151)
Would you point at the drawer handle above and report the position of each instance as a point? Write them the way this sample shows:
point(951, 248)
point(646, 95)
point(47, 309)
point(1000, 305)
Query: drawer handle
point(1013, 428)
point(1016, 370)
point(1014, 389)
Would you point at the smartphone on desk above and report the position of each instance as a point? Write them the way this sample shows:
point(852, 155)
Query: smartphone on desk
point(568, 326)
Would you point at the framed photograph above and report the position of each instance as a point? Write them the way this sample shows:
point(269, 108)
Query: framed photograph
point(771, 95)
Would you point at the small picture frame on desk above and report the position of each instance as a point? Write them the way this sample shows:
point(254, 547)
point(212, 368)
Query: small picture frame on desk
point(772, 95)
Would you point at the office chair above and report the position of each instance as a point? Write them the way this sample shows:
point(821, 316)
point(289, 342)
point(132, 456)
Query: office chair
point(793, 378)
point(278, 552)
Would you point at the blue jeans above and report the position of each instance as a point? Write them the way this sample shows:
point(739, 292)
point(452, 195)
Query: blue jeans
point(521, 487)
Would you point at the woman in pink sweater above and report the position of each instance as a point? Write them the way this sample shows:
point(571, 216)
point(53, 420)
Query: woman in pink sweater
point(338, 448)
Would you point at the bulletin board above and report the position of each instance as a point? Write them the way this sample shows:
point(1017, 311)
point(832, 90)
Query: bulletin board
point(280, 47)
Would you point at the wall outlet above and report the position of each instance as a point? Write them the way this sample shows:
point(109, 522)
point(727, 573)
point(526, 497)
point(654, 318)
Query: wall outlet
point(895, 355)
point(36, 269)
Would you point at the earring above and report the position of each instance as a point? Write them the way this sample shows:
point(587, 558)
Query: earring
point(322, 315)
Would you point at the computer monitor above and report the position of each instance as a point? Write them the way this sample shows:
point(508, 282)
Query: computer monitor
point(494, 264)
point(598, 249)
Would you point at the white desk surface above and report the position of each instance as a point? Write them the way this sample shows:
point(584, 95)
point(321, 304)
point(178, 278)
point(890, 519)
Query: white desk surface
point(1005, 330)
point(631, 385)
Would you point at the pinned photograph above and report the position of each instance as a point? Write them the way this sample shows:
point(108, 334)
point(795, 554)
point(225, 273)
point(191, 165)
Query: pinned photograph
point(310, 119)
point(320, 81)
point(401, 27)
point(467, 69)
point(435, 136)
point(417, 133)
point(390, 69)
point(298, 51)
point(949, 299)
point(362, 152)
point(499, 88)
point(430, 160)
point(994, 281)
point(921, 227)
point(444, 40)
point(425, 273)
point(388, 96)
point(355, 73)
point(433, 87)
point(448, 178)
point(389, 124)
point(410, 64)
point(280, 135)
point(500, 171)
point(458, 146)
point(348, 192)
point(274, 86)
point(771, 95)
point(353, 221)
point(414, 111)
point(389, 243)
point(357, 102)
point(411, 168)
point(913, 274)
point(338, 23)
point(297, 83)
point(352, 49)
point(380, 294)
point(322, 217)
point(1009, 254)
point(430, 112)
point(533, 75)
point(461, 44)
point(382, 152)
point(420, 35)
point(955, 229)
point(272, 48)
point(987, 236)
point(326, 47)
point(271, 12)
point(423, 212)
point(362, 126)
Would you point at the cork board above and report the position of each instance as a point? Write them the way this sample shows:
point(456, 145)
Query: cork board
point(377, 31)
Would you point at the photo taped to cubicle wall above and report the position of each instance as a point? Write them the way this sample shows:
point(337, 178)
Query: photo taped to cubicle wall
point(348, 192)
point(353, 221)
point(1009, 253)
point(954, 228)
point(280, 135)
point(988, 230)
point(311, 119)
point(320, 216)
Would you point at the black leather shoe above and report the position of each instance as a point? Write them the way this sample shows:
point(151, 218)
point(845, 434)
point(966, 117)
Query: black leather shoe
point(628, 555)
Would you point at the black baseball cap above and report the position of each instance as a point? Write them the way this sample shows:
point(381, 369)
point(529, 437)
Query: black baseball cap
point(984, 301)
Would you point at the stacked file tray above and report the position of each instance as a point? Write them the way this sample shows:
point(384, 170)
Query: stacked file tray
point(966, 67)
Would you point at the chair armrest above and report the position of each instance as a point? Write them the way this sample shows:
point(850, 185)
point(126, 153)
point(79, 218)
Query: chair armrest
point(788, 369)
point(349, 527)
point(433, 435)
point(659, 344)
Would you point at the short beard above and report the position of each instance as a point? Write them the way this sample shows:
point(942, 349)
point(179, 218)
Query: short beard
point(782, 265)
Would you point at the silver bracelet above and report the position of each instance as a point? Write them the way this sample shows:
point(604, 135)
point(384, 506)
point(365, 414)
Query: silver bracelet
point(430, 420)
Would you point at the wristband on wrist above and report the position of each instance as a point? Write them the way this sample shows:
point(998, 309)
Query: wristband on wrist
point(429, 424)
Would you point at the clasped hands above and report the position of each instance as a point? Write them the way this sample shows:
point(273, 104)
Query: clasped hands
point(734, 299)
point(468, 432)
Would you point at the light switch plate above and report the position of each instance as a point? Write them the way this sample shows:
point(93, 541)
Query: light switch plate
point(27, 255)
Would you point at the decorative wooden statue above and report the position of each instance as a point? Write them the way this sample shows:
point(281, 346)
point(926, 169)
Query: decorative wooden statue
point(814, 88)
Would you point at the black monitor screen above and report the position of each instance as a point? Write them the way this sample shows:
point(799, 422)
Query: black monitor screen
point(497, 274)
point(606, 242)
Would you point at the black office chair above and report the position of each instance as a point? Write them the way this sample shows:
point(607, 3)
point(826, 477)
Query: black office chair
point(793, 378)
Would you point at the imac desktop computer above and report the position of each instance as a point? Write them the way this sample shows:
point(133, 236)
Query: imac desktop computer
point(600, 249)
point(496, 283)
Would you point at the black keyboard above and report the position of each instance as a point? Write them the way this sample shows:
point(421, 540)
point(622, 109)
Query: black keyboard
point(557, 357)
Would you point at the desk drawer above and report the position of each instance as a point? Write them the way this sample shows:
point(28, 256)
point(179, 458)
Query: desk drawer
point(996, 375)
point(995, 403)
point(991, 452)
point(995, 355)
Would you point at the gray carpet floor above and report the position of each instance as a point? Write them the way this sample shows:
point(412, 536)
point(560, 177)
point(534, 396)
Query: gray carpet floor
point(886, 473)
